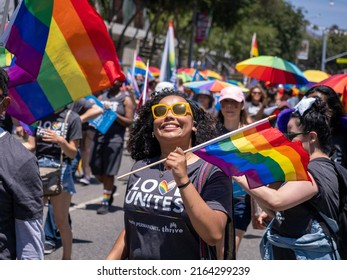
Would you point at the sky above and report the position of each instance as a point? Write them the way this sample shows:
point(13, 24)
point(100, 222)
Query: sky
point(324, 13)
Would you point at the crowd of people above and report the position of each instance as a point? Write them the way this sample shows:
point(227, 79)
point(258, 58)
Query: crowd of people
point(200, 200)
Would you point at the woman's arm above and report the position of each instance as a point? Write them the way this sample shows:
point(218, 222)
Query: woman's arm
point(277, 198)
point(128, 117)
point(30, 144)
point(208, 223)
point(118, 251)
point(69, 148)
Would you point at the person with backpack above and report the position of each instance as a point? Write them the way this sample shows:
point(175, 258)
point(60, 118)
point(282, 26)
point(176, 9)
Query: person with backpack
point(301, 209)
point(169, 212)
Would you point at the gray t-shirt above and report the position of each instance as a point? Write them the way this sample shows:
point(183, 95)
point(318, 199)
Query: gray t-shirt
point(156, 223)
point(21, 204)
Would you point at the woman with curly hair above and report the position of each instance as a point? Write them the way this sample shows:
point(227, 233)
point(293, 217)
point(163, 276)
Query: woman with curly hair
point(165, 216)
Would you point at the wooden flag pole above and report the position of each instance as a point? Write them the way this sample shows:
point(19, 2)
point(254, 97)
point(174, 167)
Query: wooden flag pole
point(195, 148)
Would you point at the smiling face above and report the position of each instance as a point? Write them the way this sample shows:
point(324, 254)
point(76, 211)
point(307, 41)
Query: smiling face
point(257, 95)
point(231, 109)
point(173, 130)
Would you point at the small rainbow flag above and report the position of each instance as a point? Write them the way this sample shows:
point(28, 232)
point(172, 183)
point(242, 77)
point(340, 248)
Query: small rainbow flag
point(168, 61)
point(140, 68)
point(260, 152)
point(63, 53)
point(254, 46)
point(131, 81)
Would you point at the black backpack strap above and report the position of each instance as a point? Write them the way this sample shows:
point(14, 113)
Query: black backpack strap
point(333, 235)
point(342, 218)
point(204, 172)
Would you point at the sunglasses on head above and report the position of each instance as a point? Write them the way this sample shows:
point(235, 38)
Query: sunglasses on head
point(291, 136)
point(178, 109)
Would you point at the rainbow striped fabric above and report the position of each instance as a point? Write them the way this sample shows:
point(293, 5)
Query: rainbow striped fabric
point(168, 61)
point(262, 153)
point(141, 68)
point(5, 57)
point(63, 53)
point(254, 46)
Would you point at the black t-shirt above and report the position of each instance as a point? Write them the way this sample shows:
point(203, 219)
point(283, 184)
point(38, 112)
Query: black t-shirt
point(156, 223)
point(80, 107)
point(20, 191)
point(296, 221)
point(73, 131)
point(6, 122)
point(339, 153)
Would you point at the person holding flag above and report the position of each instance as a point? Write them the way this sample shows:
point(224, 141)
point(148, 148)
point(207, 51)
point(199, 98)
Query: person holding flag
point(166, 215)
point(295, 231)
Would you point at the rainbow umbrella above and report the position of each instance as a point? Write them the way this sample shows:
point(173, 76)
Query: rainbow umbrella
point(211, 85)
point(209, 74)
point(189, 71)
point(315, 76)
point(239, 84)
point(272, 69)
point(184, 76)
point(338, 82)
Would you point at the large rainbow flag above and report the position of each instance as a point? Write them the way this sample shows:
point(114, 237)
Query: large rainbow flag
point(260, 152)
point(63, 53)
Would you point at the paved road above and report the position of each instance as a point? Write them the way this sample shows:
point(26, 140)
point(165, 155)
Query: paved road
point(94, 235)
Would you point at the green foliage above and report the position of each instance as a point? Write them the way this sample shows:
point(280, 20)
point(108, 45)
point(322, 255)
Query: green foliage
point(280, 29)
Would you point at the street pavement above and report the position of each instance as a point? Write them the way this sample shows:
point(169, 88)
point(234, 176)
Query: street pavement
point(94, 235)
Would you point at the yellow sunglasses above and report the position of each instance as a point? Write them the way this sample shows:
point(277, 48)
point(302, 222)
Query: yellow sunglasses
point(178, 109)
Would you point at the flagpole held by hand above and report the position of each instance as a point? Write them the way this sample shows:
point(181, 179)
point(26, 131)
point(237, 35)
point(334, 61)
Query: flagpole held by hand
point(195, 148)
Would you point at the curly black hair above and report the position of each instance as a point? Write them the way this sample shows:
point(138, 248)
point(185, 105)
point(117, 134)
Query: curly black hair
point(317, 118)
point(3, 80)
point(141, 144)
point(334, 103)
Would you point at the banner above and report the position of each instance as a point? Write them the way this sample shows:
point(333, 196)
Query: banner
point(303, 52)
point(105, 120)
point(203, 25)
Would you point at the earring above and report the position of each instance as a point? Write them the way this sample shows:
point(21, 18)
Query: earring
point(152, 134)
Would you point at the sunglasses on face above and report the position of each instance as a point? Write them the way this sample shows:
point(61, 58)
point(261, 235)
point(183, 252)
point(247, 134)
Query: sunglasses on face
point(256, 92)
point(178, 109)
point(291, 136)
